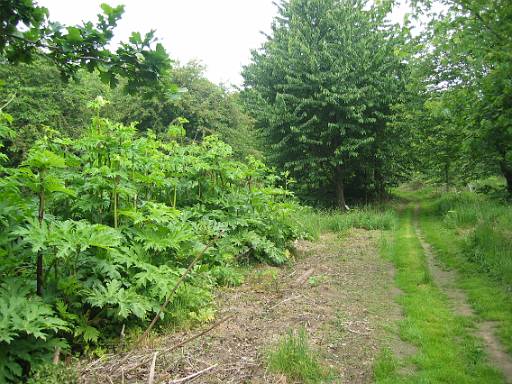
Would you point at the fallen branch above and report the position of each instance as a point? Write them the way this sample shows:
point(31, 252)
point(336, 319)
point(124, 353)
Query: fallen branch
point(173, 292)
point(193, 376)
point(181, 344)
point(151, 377)
point(304, 277)
point(356, 332)
point(282, 302)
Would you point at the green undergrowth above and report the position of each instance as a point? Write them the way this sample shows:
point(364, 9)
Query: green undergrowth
point(446, 350)
point(96, 231)
point(316, 222)
point(293, 357)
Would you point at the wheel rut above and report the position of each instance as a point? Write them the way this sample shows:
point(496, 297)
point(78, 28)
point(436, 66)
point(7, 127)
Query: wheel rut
point(446, 281)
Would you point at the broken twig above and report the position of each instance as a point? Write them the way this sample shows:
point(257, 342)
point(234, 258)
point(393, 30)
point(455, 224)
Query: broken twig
point(193, 376)
point(151, 377)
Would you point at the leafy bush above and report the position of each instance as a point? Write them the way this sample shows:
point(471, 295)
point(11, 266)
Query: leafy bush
point(54, 374)
point(98, 230)
point(495, 186)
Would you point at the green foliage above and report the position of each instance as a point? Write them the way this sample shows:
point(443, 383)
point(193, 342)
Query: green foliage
point(27, 32)
point(456, 111)
point(54, 374)
point(485, 224)
point(293, 357)
point(191, 108)
point(227, 276)
point(208, 109)
point(110, 221)
point(28, 329)
point(491, 186)
point(39, 97)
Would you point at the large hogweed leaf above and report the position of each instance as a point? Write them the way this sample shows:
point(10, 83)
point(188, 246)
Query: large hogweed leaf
point(159, 280)
point(22, 314)
point(35, 234)
point(120, 302)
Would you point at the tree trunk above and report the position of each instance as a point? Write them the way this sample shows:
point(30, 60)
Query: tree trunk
point(380, 187)
point(506, 170)
point(340, 189)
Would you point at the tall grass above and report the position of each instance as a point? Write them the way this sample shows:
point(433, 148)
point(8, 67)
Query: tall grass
point(293, 357)
point(486, 226)
point(314, 222)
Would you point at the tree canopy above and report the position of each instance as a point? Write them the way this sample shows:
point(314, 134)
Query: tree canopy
point(460, 104)
point(27, 32)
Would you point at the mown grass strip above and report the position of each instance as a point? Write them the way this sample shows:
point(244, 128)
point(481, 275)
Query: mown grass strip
point(447, 352)
point(491, 299)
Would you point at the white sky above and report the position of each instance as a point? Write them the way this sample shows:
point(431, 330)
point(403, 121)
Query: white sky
point(218, 33)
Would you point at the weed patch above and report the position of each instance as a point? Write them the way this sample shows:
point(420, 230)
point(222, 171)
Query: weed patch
point(315, 222)
point(294, 358)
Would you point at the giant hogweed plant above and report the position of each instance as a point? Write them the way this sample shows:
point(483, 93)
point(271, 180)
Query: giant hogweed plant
point(95, 233)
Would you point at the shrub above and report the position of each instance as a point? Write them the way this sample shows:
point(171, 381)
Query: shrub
point(108, 223)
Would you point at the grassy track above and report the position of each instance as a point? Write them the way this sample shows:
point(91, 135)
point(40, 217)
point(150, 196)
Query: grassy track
point(447, 351)
point(491, 299)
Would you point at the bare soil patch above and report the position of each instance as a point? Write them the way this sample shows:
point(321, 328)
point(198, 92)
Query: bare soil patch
point(339, 289)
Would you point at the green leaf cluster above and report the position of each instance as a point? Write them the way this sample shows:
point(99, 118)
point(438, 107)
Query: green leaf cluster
point(26, 32)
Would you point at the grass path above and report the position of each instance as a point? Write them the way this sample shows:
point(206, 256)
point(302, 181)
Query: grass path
point(437, 320)
point(490, 299)
point(447, 281)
